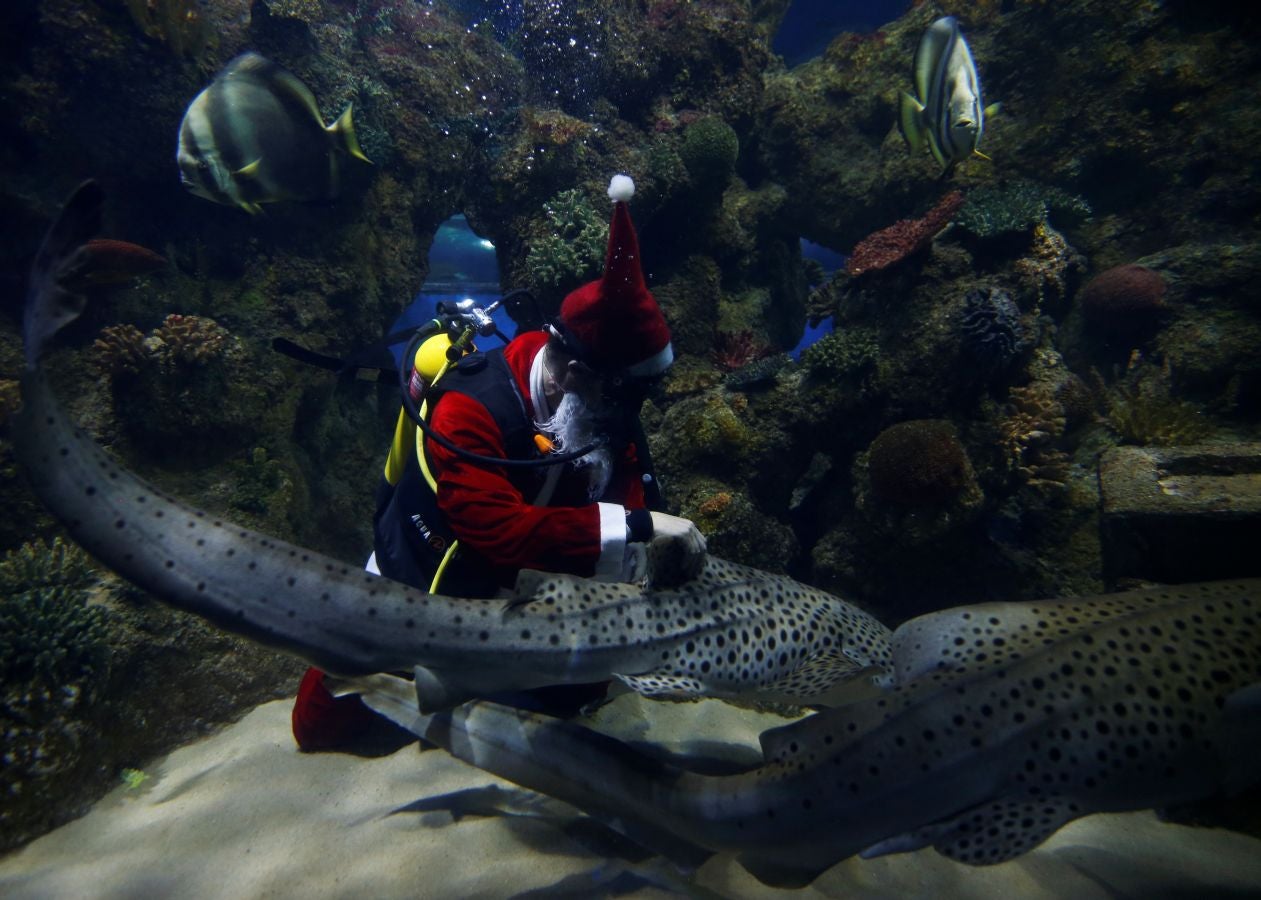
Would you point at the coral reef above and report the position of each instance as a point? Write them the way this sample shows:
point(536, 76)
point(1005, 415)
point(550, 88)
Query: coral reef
point(841, 354)
point(1034, 421)
point(919, 463)
point(574, 250)
point(48, 631)
point(1048, 271)
point(168, 386)
point(736, 350)
point(990, 328)
point(903, 239)
point(187, 340)
point(54, 656)
point(733, 526)
point(119, 350)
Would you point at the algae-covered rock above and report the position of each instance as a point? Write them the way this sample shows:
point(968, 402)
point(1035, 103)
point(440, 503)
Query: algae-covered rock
point(709, 151)
point(734, 528)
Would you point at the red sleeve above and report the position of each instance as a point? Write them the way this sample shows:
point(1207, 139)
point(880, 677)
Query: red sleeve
point(487, 511)
point(627, 485)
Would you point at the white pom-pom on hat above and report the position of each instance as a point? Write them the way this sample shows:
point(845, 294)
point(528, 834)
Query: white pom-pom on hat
point(621, 188)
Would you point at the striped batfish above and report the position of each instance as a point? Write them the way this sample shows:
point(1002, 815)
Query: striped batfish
point(946, 112)
point(255, 135)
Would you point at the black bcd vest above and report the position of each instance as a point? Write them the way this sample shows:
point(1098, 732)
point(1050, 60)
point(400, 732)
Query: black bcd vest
point(411, 533)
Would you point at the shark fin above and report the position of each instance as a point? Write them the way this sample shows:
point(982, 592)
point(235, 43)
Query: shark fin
point(781, 874)
point(989, 833)
point(50, 305)
point(527, 588)
point(826, 679)
point(434, 693)
point(655, 685)
point(1241, 721)
point(976, 638)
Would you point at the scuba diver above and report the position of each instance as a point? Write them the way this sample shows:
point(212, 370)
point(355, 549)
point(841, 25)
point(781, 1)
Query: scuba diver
point(531, 456)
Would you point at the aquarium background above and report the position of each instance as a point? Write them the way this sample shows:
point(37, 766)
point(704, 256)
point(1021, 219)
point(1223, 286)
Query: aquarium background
point(893, 383)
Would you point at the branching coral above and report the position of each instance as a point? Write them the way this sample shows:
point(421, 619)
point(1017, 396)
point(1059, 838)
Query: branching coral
point(1033, 423)
point(992, 210)
point(120, 348)
point(192, 340)
point(902, 239)
point(48, 631)
point(841, 354)
point(179, 340)
point(1048, 269)
point(575, 248)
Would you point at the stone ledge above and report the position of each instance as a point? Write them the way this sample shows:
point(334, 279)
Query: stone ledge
point(1176, 514)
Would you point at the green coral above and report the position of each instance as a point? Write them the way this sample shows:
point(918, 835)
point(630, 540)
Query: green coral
point(709, 151)
point(1145, 408)
point(841, 354)
point(48, 631)
point(1151, 419)
point(574, 251)
point(992, 210)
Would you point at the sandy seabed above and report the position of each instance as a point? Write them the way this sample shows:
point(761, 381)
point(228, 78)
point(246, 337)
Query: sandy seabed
point(242, 814)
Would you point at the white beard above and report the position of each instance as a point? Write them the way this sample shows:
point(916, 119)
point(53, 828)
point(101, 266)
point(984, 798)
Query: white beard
point(573, 425)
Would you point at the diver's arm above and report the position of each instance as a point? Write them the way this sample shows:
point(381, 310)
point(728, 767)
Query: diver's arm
point(489, 514)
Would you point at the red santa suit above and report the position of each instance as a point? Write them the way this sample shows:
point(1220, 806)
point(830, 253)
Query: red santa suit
point(543, 517)
point(528, 518)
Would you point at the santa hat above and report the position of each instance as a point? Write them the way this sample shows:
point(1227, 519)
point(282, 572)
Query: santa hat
point(614, 323)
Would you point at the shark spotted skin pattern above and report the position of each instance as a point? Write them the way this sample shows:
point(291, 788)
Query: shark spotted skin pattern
point(733, 631)
point(1008, 721)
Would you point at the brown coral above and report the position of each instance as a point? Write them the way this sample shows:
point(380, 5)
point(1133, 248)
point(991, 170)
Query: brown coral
point(1123, 294)
point(919, 463)
point(189, 339)
point(1035, 421)
point(120, 348)
point(902, 239)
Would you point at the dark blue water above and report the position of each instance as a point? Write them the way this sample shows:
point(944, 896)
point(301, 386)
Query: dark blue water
point(462, 265)
point(810, 25)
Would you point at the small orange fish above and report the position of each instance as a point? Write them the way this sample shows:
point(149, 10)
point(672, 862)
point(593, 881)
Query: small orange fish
point(102, 261)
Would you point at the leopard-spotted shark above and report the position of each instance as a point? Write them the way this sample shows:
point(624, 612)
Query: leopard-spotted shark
point(1007, 721)
point(732, 632)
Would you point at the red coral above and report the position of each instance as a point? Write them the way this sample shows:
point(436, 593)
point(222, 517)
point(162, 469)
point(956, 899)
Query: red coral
point(903, 238)
point(738, 349)
point(1124, 292)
